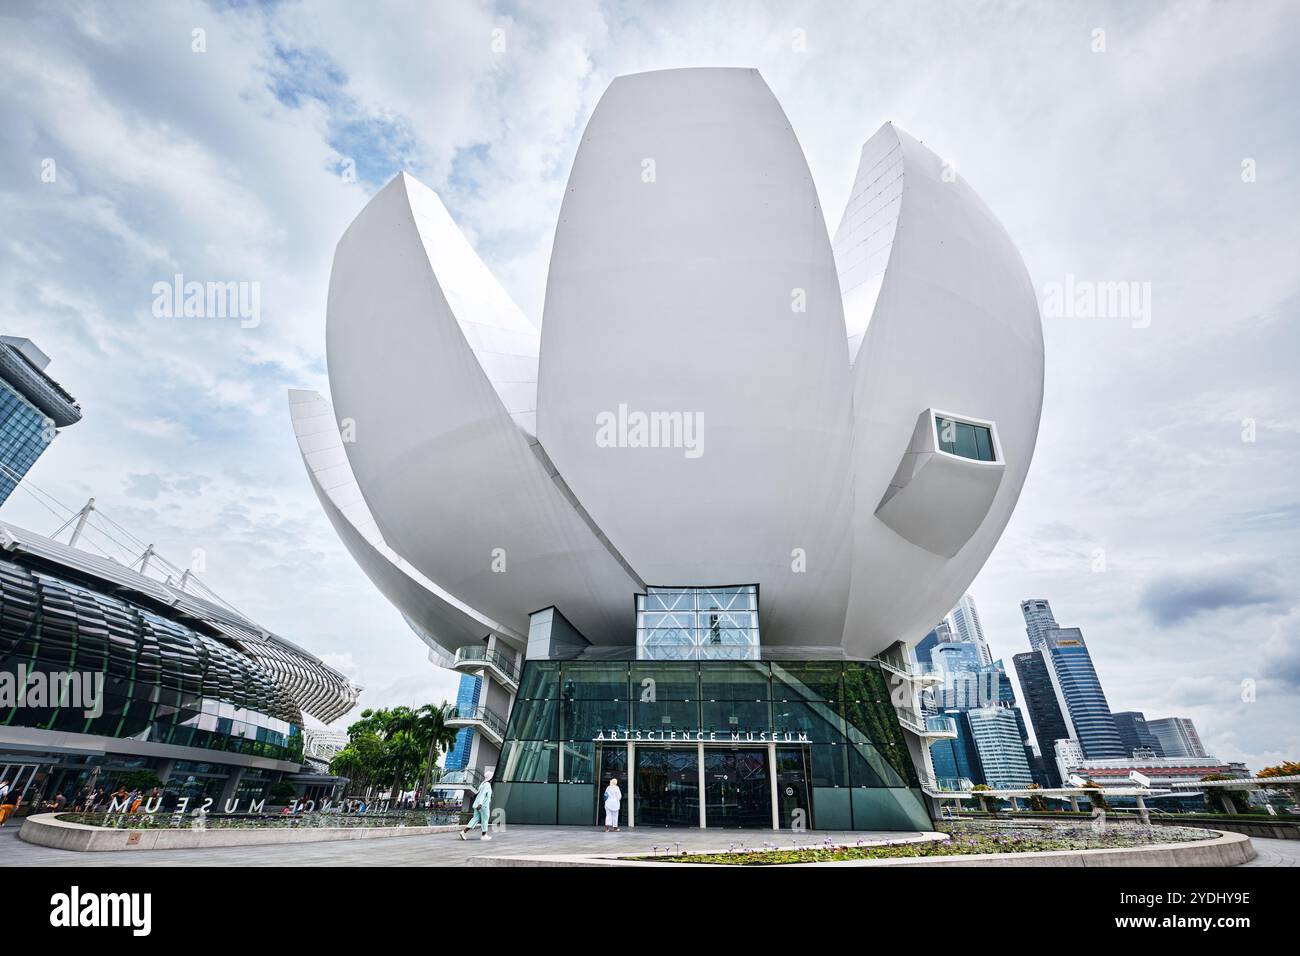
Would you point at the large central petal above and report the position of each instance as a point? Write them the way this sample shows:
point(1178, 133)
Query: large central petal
point(692, 275)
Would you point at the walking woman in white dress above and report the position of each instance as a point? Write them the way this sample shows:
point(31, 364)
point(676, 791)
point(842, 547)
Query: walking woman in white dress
point(613, 800)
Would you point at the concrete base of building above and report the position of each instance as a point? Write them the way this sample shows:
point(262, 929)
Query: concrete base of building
point(1224, 849)
point(45, 829)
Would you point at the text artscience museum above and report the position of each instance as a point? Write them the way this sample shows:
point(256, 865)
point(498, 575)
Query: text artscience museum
point(721, 407)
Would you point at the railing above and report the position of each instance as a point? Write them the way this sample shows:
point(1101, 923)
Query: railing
point(938, 728)
point(945, 725)
point(923, 675)
point(490, 720)
point(483, 655)
point(458, 778)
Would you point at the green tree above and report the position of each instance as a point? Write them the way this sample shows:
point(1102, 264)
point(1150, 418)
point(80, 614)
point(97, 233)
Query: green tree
point(984, 801)
point(361, 760)
point(282, 792)
point(433, 732)
point(141, 780)
point(397, 728)
point(397, 746)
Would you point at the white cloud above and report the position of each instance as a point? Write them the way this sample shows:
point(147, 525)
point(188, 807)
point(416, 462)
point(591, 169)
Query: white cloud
point(1122, 165)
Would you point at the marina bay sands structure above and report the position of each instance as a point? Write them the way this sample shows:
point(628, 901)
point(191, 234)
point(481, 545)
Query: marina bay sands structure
point(684, 525)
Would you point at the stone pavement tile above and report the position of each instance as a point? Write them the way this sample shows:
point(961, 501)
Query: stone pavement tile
point(1275, 852)
point(441, 849)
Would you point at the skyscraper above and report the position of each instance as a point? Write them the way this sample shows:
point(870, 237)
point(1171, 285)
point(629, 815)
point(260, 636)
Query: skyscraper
point(1135, 734)
point(964, 620)
point(1045, 711)
point(467, 696)
point(32, 408)
point(941, 634)
point(1001, 749)
point(1177, 737)
point(1038, 618)
point(1079, 690)
point(967, 682)
point(957, 759)
point(1007, 698)
point(991, 743)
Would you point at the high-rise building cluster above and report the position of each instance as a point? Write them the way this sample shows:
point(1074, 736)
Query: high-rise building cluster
point(1072, 720)
point(1077, 734)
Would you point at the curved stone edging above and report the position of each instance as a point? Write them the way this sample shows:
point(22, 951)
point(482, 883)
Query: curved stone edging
point(1226, 849)
point(43, 829)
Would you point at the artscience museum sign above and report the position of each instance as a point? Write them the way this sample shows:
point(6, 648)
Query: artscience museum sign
point(703, 736)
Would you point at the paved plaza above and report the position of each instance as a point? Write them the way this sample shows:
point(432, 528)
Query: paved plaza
point(439, 849)
point(1275, 852)
point(445, 849)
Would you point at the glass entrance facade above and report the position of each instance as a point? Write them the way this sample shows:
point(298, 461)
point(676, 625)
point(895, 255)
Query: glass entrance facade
point(678, 732)
point(667, 790)
point(737, 787)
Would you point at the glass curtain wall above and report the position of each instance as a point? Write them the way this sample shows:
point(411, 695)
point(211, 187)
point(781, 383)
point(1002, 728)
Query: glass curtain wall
point(840, 751)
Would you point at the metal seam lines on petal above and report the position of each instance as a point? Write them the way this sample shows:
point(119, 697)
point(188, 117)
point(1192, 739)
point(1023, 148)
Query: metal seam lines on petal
point(436, 369)
point(953, 326)
point(692, 279)
point(331, 477)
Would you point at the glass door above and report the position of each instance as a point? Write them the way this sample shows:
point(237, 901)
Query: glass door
point(667, 787)
point(738, 791)
point(611, 761)
point(793, 792)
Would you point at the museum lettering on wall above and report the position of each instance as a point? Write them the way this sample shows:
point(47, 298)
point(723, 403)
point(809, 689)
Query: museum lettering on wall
point(705, 736)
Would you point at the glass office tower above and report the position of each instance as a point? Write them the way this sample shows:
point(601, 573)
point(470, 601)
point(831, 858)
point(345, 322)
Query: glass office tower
point(1038, 619)
point(1001, 748)
point(1077, 685)
point(467, 698)
point(32, 408)
point(956, 762)
point(1134, 733)
point(1177, 737)
point(1045, 711)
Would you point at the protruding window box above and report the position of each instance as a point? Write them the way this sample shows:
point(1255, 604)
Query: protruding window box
point(946, 482)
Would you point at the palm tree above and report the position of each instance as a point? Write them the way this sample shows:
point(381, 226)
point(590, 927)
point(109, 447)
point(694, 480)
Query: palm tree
point(396, 726)
point(433, 730)
point(402, 757)
point(360, 760)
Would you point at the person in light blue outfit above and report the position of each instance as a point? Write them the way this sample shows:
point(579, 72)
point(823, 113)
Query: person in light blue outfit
point(482, 809)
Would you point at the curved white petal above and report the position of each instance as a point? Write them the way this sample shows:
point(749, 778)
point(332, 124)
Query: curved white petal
point(692, 276)
point(948, 320)
point(441, 619)
point(432, 367)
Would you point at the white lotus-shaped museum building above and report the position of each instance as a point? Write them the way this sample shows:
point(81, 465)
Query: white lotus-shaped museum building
point(718, 394)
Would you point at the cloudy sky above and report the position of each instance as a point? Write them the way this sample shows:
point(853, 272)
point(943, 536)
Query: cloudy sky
point(1144, 143)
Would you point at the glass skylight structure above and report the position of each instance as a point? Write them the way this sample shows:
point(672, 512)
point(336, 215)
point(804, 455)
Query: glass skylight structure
point(697, 624)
